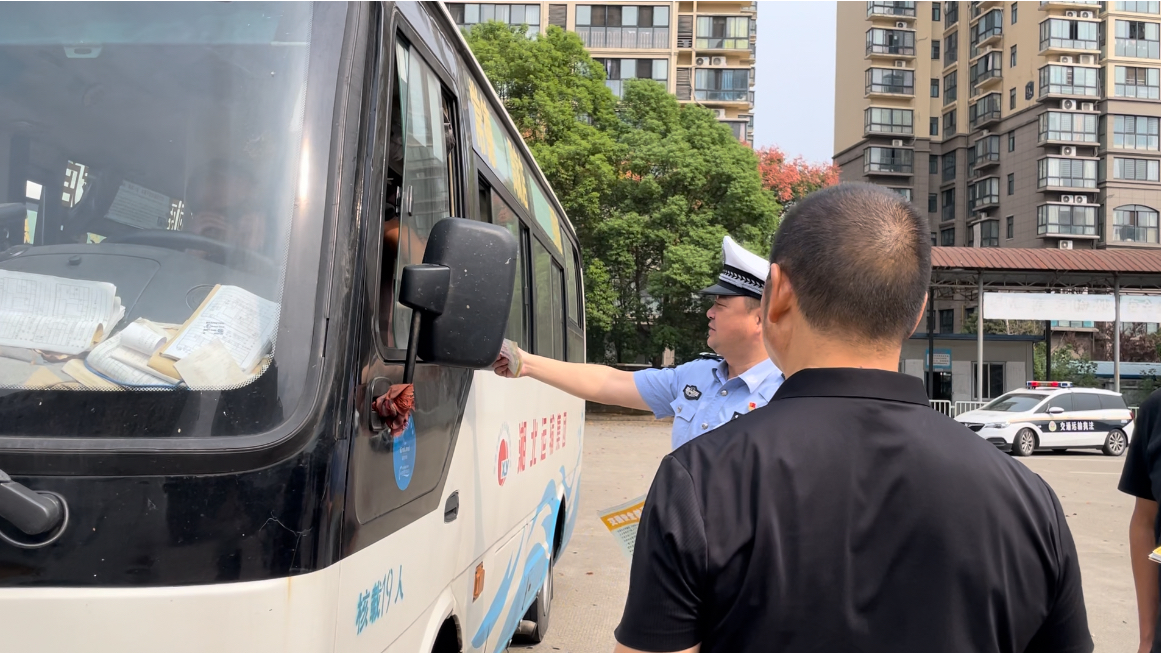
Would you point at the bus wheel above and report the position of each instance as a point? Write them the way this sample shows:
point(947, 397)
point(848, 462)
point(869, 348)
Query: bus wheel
point(534, 627)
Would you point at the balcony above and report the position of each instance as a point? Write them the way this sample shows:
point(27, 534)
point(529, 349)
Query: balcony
point(1054, 4)
point(889, 83)
point(978, 8)
point(986, 71)
point(1067, 128)
point(989, 29)
point(1067, 174)
point(722, 33)
point(1069, 81)
point(891, 43)
point(1137, 48)
point(719, 96)
point(888, 161)
point(722, 43)
point(894, 123)
point(984, 194)
point(886, 9)
point(987, 152)
point(985, 111)
point(1068, 36)
point(635, 38)
point(1060, 220)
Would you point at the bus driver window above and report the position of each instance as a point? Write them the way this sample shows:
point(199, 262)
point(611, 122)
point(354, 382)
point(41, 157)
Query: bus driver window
point(422, 180)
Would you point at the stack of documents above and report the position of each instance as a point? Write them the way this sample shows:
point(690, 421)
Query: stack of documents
point(54, 314)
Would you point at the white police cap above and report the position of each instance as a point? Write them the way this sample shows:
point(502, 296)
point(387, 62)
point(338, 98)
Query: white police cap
point(743, 272)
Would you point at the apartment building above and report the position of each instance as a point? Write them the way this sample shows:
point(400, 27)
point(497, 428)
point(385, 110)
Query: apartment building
point(1013, 124)
point(704, 52)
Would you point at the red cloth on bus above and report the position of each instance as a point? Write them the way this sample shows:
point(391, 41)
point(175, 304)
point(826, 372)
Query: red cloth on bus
point(395, 407)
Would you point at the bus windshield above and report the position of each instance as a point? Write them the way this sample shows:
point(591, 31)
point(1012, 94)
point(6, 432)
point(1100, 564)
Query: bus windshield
point(149, 168)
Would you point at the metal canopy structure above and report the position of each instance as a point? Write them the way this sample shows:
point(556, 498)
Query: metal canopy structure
point(966, 273)
point(1041, 269)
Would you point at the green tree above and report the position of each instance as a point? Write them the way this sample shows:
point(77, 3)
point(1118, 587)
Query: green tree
point(1067, 365)
point(556, 95)
point(651, 186)
point(684, 183)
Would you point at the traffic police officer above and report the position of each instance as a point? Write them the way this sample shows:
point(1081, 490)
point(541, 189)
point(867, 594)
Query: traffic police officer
point(701, 394)
point(847, 515)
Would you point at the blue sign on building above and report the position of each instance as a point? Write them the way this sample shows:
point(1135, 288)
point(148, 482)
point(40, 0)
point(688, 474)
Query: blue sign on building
point(942, 359)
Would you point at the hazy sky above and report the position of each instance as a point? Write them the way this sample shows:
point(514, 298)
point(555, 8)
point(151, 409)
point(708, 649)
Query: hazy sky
point(794, 96)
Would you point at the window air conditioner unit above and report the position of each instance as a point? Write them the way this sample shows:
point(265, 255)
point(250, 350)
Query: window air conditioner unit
point(900, 24)
point(898, 142)
point(701, 61)
point(1068, 105)
point(718, 61)
point(1070, 14)
point(1086, 14)
point(1066, 59)
point(1065, 244)
point(900, 63)
point(1088, 106)
point(1080, 199)
point(720, 113)
point(1068, 150)
point(1067, 199)
point(1088, 59)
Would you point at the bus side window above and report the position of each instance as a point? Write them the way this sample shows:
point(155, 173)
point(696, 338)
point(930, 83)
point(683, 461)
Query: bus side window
point(495, 210)
point(557, 276)
point(429, 172)
point(542, 293)
point(576, 340)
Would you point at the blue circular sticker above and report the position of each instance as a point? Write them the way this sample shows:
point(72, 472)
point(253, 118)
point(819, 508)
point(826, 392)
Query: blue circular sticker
point(403, 455)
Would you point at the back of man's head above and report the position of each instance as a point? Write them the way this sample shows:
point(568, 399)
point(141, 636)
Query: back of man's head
point(858, 257)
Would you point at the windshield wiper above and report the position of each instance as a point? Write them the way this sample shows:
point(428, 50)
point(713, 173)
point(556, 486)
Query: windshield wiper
point(34, 513)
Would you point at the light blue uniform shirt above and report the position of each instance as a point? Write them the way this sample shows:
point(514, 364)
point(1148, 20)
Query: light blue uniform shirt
point(700, 396)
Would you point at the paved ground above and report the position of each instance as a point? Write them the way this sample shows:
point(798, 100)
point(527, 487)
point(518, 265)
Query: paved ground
point(621, 457)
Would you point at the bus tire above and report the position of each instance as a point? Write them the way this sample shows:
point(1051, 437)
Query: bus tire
point(537, 618)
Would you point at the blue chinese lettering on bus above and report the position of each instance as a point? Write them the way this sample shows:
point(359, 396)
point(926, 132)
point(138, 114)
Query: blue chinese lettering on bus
point(374, 604)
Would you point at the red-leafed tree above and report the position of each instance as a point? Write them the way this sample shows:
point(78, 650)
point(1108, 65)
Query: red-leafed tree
point(793, 179)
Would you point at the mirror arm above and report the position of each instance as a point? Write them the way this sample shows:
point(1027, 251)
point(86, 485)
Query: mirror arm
point(412, 345)
point(423, 288)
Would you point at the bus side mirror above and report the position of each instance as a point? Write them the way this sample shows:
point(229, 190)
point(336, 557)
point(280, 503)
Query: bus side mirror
point(460, 296)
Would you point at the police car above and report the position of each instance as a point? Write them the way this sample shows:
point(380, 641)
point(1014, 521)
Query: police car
point(1054, 415)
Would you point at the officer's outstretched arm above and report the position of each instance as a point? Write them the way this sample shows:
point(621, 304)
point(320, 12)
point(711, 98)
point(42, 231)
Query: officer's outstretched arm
point(598, 383)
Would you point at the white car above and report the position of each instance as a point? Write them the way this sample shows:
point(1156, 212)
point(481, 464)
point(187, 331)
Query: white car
point(1054, 415)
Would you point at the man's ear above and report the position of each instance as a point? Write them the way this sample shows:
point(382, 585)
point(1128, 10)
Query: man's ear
point(922, 313)
point(778, 295)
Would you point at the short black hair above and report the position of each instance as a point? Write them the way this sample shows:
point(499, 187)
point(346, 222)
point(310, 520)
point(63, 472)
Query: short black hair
point(859, 259)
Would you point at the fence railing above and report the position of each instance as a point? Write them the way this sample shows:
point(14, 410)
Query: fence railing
point(951, 409)
point(964, 406)
point(944, 406)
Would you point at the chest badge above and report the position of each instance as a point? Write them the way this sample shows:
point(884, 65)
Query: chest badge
point(692, 393)
point(752, 406)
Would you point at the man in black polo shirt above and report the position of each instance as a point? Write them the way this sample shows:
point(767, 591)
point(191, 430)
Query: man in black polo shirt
point(847, 515)
point(1141, 477)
